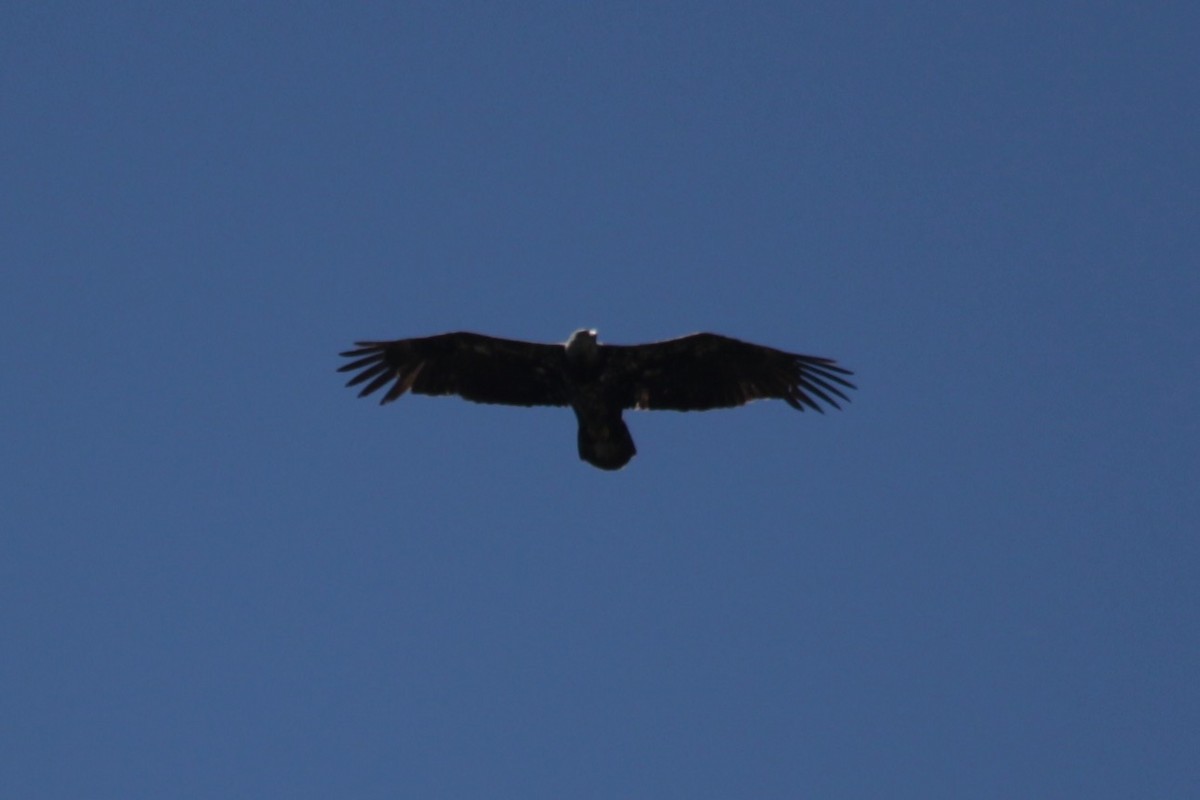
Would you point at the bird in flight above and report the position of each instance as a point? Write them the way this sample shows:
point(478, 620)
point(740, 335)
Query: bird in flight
point(598, 381)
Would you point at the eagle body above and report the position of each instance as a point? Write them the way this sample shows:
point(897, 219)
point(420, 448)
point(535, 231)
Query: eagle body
point(598, 381)
point(604, 438)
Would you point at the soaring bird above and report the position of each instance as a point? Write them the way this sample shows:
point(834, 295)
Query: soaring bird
point(598, 381)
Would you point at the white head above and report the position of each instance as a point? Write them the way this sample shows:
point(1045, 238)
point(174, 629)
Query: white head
point(582, 343)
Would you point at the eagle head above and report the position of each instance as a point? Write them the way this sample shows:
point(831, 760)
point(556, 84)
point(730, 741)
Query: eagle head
point(582, 344)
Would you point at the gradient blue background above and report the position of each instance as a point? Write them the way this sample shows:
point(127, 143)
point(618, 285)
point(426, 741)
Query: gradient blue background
point(223, 576)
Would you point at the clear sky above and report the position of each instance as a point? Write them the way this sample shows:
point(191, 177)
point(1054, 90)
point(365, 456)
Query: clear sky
point(221, 575)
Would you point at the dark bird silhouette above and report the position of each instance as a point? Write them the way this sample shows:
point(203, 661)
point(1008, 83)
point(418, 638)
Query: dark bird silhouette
point(598, 381)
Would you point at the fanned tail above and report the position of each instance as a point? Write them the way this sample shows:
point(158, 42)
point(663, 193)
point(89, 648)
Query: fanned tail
point(605, 443)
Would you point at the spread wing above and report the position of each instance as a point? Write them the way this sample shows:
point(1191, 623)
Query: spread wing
point(483, 369)
point(704, 371)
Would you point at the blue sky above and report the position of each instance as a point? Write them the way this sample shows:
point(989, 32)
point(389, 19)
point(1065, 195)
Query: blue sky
point(222, 575)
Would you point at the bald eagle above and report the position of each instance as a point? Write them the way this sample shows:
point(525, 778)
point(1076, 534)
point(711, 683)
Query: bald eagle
point(598, 381)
